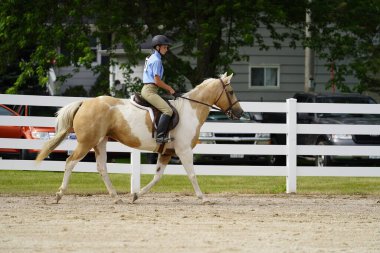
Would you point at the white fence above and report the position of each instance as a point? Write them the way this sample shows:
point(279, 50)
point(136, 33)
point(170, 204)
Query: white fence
point(291, 149)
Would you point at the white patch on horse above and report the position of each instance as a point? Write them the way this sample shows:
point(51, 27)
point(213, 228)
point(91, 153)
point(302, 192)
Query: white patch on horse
point(135, 118)
point(187, 124)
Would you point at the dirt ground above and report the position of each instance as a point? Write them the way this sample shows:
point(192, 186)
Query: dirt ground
point(177, 223)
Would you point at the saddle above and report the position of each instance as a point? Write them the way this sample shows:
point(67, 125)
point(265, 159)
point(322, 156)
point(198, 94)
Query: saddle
point(138, 99)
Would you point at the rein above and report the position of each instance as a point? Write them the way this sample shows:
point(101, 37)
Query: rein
point(199, 102)
point(228, 111)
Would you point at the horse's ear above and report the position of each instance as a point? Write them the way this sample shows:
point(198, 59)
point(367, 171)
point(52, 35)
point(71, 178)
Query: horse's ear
point(228, 78)
point(223, 76)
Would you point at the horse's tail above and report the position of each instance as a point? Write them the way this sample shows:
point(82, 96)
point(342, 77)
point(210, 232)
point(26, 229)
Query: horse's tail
point(65, 118)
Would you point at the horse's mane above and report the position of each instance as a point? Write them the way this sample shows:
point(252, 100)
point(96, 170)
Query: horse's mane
point(200, 86)
point(177, 103)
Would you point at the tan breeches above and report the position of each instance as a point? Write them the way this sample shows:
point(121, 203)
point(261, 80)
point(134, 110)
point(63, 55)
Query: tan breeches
point(149, 93)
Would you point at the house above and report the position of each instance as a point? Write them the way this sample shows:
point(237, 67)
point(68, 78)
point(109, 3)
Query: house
point(277, 74)
point(270, 76)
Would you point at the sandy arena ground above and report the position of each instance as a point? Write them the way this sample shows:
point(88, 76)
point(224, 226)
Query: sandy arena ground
point(178, 223)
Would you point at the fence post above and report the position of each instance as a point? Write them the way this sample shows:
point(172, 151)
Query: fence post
point(291, 144)
point(135, 173)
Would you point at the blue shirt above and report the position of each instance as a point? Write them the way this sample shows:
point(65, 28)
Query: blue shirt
point(153, 66)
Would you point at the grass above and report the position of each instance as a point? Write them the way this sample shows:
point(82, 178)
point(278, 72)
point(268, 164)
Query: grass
point(47, 183)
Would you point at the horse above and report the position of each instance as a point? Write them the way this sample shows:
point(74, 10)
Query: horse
point(96, 119)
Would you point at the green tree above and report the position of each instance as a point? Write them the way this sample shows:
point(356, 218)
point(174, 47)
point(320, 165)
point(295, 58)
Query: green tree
point(211, 32)
point(45, 26)
point(208, 34)
point(347, 35)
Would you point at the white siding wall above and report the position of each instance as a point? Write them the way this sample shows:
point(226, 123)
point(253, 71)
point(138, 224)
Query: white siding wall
point(84, 77)
point(291, 63)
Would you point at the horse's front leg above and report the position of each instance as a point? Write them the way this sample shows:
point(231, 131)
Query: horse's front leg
point(186, 158)
point(162, 162)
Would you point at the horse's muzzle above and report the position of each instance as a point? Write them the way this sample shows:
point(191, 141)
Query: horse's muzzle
point(234, 114)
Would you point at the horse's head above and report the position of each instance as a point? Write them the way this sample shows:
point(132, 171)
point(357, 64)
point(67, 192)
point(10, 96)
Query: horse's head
point(226, 99)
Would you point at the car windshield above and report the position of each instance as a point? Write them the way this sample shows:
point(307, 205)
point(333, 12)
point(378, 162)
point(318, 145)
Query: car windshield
point(346, 100)
point(220, 116)
point(217, 116)
point(5, 112)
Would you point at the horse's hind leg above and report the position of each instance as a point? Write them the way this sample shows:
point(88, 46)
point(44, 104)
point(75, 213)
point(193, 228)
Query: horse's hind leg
point(101, 164)
point(78, 154)
point(162, 162)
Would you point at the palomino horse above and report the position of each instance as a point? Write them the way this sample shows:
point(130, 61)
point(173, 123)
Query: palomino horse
point(96, 119)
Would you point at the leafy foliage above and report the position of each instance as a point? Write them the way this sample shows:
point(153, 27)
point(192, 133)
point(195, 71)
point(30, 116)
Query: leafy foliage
point(38, 35)
point(76, 91)
point(46, 26)
point(211, 32)
point(347, 35)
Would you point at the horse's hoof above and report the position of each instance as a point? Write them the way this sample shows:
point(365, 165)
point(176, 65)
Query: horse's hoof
point(58, 197)
point(206, 202)
point(118, 202)
point(134, 197)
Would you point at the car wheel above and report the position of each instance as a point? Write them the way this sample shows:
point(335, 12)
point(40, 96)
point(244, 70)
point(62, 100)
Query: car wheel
point(323, 160)
point(277, 160)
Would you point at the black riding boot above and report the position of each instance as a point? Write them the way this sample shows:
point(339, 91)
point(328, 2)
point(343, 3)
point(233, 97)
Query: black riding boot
point(162, 127)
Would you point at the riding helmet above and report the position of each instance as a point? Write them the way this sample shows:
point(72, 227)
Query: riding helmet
point(160, 40)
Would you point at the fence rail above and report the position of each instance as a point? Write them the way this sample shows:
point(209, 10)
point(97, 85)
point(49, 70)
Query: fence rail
point(291, 150)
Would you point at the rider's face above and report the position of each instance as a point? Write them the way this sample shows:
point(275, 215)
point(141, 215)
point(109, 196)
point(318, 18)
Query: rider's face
point(164, 49)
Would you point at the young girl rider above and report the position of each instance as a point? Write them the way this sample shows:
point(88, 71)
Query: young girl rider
point(152, 79)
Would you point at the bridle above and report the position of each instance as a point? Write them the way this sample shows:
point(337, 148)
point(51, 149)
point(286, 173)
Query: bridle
point(228, 111)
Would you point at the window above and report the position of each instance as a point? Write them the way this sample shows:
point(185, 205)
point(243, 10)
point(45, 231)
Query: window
point(264, 77)
point(95, 47)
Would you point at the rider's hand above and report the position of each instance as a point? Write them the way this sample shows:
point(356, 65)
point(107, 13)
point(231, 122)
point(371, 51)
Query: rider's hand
point(171, 91)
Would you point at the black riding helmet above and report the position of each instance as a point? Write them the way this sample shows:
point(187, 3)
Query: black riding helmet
point(160, 40)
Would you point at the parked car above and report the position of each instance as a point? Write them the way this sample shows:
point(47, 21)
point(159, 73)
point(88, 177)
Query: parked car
point(42, 133)
point(332, 118)
point(227, 138)
point(9, 132)
point(233, 138)
point(36, 132)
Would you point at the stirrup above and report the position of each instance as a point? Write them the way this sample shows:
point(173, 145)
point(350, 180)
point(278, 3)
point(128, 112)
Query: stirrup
point(162, 140)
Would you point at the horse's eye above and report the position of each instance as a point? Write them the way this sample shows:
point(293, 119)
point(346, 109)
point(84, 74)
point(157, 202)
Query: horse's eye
point(231, 92)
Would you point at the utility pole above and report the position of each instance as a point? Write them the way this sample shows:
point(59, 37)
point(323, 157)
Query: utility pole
point(309, 57)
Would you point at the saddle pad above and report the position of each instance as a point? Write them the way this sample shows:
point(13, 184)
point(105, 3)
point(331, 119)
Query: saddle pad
point(151, 114)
